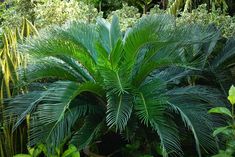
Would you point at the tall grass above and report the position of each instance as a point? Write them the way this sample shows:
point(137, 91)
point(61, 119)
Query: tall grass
point(10, 61)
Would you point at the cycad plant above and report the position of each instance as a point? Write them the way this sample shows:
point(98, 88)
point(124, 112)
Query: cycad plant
point(88, 78)
point(215, 62)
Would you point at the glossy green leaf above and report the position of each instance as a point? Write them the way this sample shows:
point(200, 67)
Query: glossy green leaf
point(231, 96)
point(22, 155)
point(76, 154)
point(221, 110)
point(71, 151)
point(220, 130)
point(31, 150)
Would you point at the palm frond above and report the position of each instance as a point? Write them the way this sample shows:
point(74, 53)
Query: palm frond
point(147, 68)
point(61, 67)
point(50, 68)
point(119, 109)
point(165, 45)
point(63, 129)
point(208, 48)
point(200, 126)
point(57, 104)
point(224, 78)
point(227, 54)
point(115, 81)
point(169, 136)
point(170, 75)
point(18, 108)
point(149, 102)
point(78, 68)
point(145, 32)
point(109, 33)
point(151, 111)
point(55, 101)
point(189, 103)
point(150, 105)
point(51, 45)
point(116, 54)
point(89, 130)
point(212, 96)
point(82, 34)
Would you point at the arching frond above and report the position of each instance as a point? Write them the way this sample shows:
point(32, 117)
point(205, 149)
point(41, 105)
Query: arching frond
point(226, 55)
point(202, 93)
point(115, 81)
point(77, 67)
point(150, 105)
point(22, 105)
point(80, 34)
point(55, 101)
point(52, 45)
point(88, 132)
point(149, 101)
point(63, 130)
point(168, 133)
point(199, 125)
point(148, 30)
point(50, 68)
point(192, 104)
point(109, 33)
point(171, 75)
point(164, 47)
point(119, 109)
point(116, 54)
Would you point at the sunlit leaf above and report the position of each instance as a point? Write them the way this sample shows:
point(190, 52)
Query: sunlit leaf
point(71, 151)
point(220, 130)
point(22, 155)
point(231, 96)
point(221, 110)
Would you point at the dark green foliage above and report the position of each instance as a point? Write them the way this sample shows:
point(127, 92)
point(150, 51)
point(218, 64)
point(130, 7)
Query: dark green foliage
point(141, 79)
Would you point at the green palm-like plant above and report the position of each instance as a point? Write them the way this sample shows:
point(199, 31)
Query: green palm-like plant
point(103, 77)
point(216, 64)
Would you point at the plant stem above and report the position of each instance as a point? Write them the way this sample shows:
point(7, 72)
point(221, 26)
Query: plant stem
point(233, 121)
point(233, 113)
